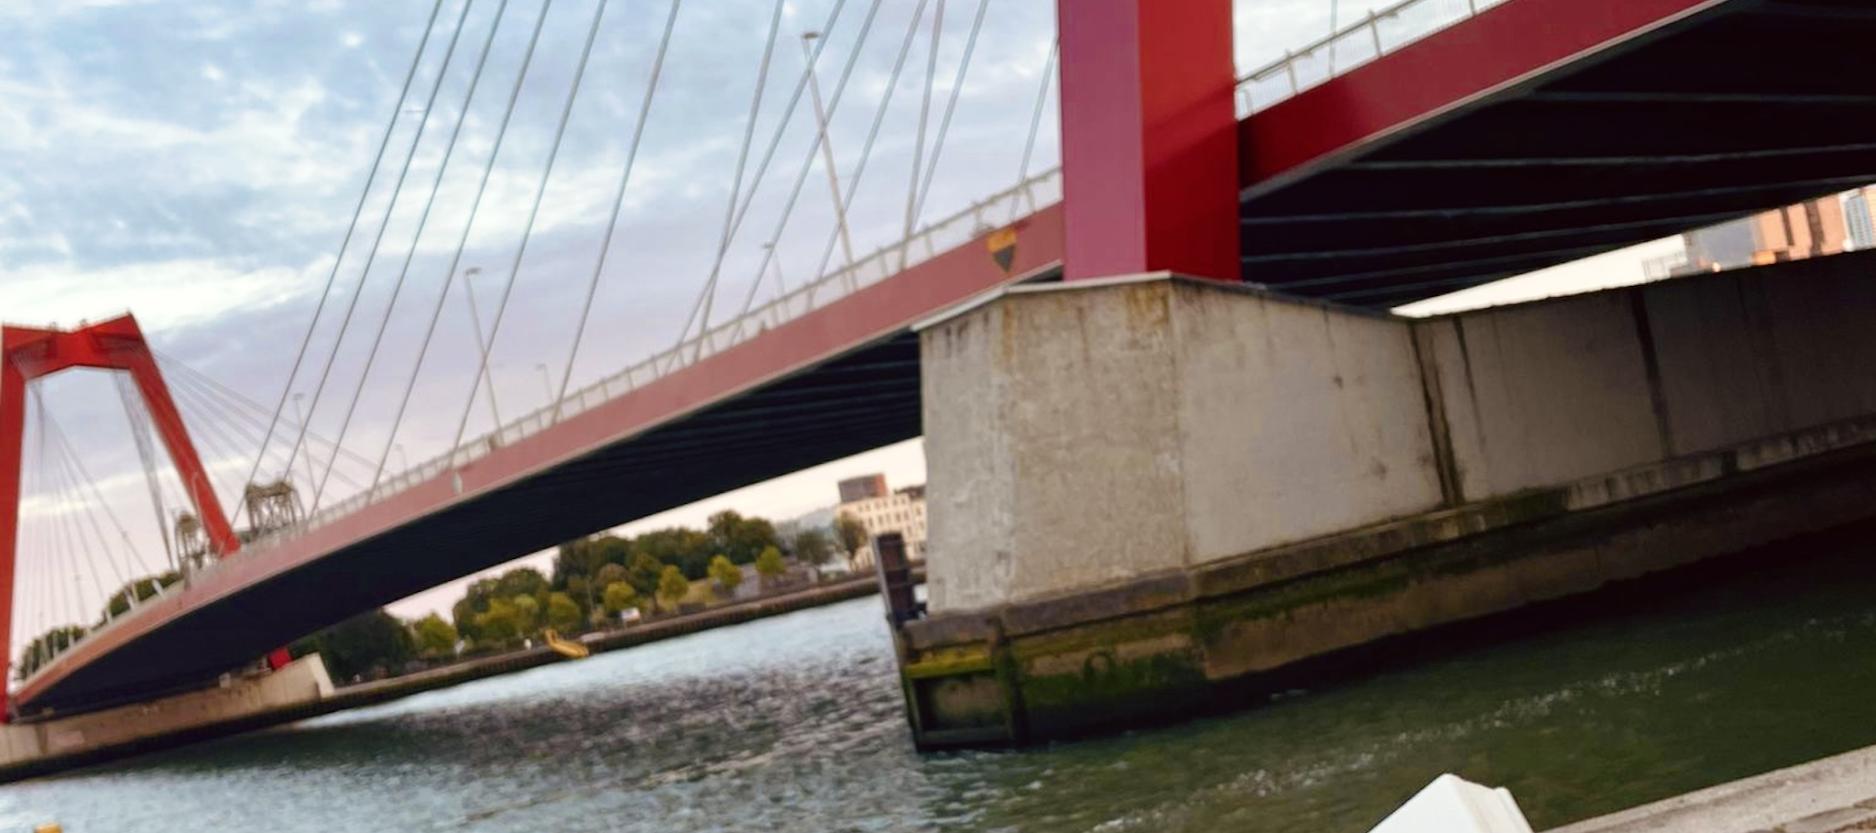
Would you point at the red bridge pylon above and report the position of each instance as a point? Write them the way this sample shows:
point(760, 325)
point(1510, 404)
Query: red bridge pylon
point(28, 353)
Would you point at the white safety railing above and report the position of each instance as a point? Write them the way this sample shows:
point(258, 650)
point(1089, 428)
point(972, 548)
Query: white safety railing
point(1373, 35)
point(960, 228)
point(980, 218)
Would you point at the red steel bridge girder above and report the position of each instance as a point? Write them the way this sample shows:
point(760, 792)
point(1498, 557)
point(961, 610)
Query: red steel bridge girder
point(118, 344)
point(1149, 138)
point(1438, 76)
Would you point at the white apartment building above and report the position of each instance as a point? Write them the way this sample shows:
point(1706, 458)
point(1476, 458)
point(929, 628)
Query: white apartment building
point(882, 511)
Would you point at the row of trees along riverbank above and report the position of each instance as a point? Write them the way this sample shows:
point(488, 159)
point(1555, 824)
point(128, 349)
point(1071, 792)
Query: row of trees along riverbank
point(594, 581)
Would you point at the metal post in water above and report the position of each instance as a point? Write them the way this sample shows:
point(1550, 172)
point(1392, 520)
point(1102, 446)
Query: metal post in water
point(895, 580)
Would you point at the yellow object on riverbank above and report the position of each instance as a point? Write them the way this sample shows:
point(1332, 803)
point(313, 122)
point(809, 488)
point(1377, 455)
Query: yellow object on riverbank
point(564, 647)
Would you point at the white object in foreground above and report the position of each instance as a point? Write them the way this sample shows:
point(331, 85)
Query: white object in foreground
point(1454, 805)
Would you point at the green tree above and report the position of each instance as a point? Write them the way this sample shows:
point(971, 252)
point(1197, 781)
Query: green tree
point(686, 549)
point(725, 574)
point(740, 538)
point(618, 596)
point(45, 647)
point(563, 613)
point(851, 535)
point(143, 589)
point(812, 546)
point(672, 587)
point(370, 643)
point(608, 574)
point(501, 623)
point(769, 564)
point(435, 637)
point(521, 581)
point(475, 601)
point(576, 558)
point(643, 571)
point(583, 592)
point(527, 613)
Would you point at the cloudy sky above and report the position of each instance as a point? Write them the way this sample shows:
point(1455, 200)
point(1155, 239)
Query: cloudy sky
point(198, 164)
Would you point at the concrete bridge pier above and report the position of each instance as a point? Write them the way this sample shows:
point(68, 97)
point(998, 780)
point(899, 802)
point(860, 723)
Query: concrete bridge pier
point(1150, 493)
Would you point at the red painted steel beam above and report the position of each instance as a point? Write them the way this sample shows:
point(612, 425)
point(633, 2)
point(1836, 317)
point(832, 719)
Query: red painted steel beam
point(12, 433)
point(1149, 158)
point(1500, 49)
point(1023, 250)
point(118, 344)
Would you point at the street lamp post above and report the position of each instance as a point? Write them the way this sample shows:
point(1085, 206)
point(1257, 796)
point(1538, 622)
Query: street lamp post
point(827, 147)
point(547, 382)
point(475, 322)
point(299, 415)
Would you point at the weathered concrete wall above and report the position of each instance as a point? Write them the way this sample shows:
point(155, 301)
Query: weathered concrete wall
point(1094, 435)
point(1549, 392)
point(1542, 394)
point(1084, 434)
point(300, 682)
point(1146, 489)
point(1295, 421)
point(1756, 352)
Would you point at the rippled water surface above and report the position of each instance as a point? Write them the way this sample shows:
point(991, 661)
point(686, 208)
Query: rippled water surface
point(795, 723)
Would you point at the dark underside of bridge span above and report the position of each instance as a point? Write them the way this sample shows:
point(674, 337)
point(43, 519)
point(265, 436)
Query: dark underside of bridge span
point(863, 400)
point(1750, 105)
point(1744, 107)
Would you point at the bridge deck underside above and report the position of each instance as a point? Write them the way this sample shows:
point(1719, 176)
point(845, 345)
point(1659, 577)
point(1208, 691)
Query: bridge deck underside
point(1740, 107)
point(1351, 194)
point(860, 401)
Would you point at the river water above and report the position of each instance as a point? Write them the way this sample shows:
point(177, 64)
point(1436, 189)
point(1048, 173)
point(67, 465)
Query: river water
point(795, 724)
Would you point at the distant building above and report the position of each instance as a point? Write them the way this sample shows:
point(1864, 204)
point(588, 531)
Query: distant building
point(880, 511)
point(1825, 226)
point(860, 488)
point(1857, 219)
point(796, 576)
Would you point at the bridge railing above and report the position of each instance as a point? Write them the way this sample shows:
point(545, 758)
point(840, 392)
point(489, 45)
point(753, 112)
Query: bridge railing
point(930, 241)
point(1369, 37)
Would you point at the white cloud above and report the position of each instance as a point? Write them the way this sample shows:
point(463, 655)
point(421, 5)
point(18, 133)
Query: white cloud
point(162, 293)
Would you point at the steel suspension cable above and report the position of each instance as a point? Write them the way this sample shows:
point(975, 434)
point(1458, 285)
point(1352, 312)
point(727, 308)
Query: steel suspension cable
point(371, 256)
point(872, 136)
point(132, 558)
point(345, 243)
point(951, 106)
point(618, 204)
point(807, 165)
point(216, 439)
point(423, 222)
point(70, 529)
point(249, 411)
point(1035, 125)
point(462, 242)
point(241, 426)
point(75, 610)
point(918, 147)
point(821, 135)
point(781, 128)
point(146, 451)
point(73, 591)
point(475, 82)
point(34, 535)
point(708, 297)
point(534, 212)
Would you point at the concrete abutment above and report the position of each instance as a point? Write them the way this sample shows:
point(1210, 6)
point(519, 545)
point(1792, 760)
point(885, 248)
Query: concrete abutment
point(1148, 493)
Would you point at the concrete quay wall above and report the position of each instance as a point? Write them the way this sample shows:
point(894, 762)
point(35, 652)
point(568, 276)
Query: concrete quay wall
point(60, 742)
point(1145, 488)
point(302, 690)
